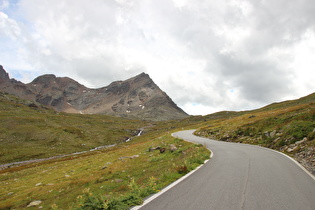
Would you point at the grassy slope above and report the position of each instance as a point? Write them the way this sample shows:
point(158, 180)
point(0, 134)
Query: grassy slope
point(31, 133)
point(61, 181)
point(279, 126)
point(104, 172)
point(38, 132)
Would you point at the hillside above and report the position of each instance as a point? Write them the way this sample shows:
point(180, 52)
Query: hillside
point(287, 126)
point(124, 174)
point(138, 97)
point(30, 130)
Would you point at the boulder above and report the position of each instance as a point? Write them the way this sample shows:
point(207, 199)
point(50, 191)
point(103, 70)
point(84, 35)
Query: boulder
point(277, 139)
point(129, 157)
point(267, 134)
point(162, 150)
point(292, 149)
point(34, 203)
point(300, 142)
point(154, 148)
point(272, 134)
point(173, 148)
point(134, 156)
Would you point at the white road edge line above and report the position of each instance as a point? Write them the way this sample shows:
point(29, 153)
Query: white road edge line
point(297, 163)
point(148, 200)
point(292, 159)
point(285, 155)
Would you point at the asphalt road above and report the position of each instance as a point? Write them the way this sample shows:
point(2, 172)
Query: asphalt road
point(240, 176)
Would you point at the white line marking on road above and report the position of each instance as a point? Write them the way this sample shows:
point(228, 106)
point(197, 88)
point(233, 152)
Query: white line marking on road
point(148, 200)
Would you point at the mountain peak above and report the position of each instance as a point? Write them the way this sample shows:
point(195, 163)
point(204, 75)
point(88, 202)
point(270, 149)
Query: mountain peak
point(48, 79)
point(142, 76)
point(137, 97)
point(3, 74)
point(44, 79)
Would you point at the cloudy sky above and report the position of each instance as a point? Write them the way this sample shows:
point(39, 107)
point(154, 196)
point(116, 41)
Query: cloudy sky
point(207, 55)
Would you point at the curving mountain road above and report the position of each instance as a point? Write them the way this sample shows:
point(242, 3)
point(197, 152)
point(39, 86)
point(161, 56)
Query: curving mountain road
point(240, 176)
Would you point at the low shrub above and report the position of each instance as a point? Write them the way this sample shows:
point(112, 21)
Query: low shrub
point(299, 129)
point(182, 169)
point(90, 201)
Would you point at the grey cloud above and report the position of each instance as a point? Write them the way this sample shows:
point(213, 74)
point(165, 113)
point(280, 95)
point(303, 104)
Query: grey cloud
point(279, 23)
point(259, 81)
point(271, 23)
point(99, 41)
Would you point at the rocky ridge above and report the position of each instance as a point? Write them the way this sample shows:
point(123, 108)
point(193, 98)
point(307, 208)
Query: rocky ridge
point(137, 97)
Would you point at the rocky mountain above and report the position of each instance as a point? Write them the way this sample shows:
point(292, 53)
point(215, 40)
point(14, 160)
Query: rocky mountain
point(137, 97)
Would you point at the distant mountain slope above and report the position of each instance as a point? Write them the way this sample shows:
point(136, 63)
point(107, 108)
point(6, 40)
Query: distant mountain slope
point(30, 130)
point(137, 97)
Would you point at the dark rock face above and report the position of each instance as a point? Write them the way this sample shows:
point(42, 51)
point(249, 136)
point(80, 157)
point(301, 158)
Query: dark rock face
point(137, 97)
point(4, 76)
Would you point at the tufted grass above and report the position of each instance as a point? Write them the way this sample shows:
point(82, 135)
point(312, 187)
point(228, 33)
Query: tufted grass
point(106, 173)
point(290, 121)
point(32, 133)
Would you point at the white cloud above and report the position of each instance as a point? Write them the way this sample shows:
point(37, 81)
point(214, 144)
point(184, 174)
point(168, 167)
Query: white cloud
point(207, 55)
point(304, 63)
point(8, 27)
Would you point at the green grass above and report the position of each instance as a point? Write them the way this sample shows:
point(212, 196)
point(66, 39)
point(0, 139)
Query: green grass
point(32, 133)
point(106, 173)
point(68, 182)
point(275, 126)
point(109, 178)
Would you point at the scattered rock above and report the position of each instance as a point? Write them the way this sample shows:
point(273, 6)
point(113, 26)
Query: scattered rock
point(272, 134)
point(129, 157)
point(34, 203)
point(225, 137)
point(118, 180)
point(154, 148)
point(252, 116)
point(173, 148)
point(279, 134)
point(307, 158)
point(277, 139)
point(267, 134)
point(300, 142)
point(289, 150)
point(38, 184)
point(292, 149)
point(162, 150)
point(32, 105)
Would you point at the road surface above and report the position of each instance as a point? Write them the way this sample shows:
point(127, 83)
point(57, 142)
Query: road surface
point(240, 176)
